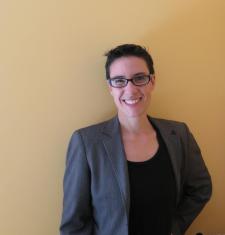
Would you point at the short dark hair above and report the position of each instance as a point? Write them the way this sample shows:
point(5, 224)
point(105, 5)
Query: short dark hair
point(128, 50)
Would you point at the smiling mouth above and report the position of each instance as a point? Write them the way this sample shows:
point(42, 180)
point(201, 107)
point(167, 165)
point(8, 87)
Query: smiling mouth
point(132, 101)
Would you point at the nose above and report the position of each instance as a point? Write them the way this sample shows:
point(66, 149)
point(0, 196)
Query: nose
point(130, 86)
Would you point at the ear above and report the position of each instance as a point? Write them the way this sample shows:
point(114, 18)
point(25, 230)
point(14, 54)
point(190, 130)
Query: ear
point(109, 88)
point(153, 80)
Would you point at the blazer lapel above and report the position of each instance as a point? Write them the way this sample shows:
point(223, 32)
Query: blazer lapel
point(172, 142)
point(115, 151)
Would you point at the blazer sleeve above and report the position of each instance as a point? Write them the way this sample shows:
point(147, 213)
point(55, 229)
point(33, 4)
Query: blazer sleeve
point(77, 214)
point(196, 186)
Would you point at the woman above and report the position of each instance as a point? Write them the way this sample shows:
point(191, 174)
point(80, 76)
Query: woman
point(133, 174)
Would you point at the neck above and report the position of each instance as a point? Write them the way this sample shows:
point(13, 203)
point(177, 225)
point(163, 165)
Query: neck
point(135, 125)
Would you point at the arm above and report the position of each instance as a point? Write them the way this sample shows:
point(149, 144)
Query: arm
point(77, 214)
point(196, 188)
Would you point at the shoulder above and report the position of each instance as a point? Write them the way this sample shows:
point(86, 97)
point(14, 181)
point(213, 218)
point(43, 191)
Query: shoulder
point(94, 131)
point(170, 126)
point(168, 123)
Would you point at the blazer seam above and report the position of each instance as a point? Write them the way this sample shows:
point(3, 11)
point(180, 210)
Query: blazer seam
point(85, 152)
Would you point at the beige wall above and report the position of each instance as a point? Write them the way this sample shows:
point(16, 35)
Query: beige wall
point(52, 82)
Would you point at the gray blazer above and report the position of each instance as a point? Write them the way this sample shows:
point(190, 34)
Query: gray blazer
point(96, 182)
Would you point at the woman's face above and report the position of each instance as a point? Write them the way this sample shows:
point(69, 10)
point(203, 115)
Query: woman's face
point(131, 101)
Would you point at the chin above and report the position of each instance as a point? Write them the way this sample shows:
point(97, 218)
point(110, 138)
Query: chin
point(133, 114)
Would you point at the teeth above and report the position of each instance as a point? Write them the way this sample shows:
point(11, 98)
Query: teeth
point(131, 101)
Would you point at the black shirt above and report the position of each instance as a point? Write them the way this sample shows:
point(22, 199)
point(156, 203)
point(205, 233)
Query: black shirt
point(152, 194)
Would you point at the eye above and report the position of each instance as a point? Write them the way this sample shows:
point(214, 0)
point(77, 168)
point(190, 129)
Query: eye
point(140, 79)
point(118, 81)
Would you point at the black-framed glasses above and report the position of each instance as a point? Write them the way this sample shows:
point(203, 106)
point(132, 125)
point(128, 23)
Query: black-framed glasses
point(138, 80)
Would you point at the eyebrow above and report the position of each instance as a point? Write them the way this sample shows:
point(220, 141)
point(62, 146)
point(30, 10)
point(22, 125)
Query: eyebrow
point(120, 76)
point(136, 74)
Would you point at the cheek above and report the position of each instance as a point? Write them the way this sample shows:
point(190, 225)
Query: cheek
point(148, 91)
point(115, 93)
point(116, 97)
